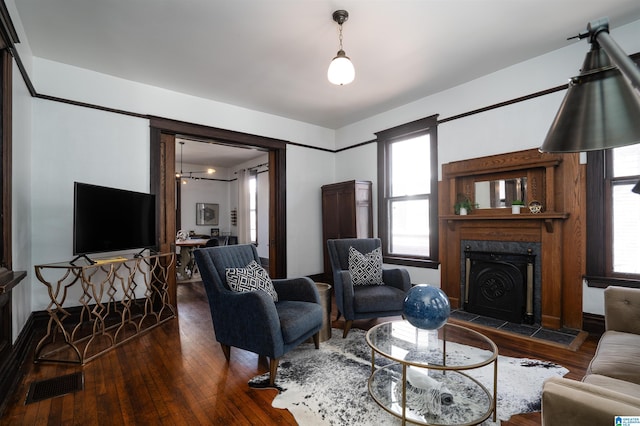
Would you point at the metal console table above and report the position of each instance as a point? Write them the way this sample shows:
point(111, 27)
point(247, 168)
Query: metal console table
point(119, 299)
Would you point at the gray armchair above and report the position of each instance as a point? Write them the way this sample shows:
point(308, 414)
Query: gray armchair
point(365, 301)
point(252, 320)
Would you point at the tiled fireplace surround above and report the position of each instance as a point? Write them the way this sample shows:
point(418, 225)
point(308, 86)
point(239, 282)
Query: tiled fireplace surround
point(556, 234)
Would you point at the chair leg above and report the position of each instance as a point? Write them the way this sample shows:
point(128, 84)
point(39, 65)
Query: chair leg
point(316, 340)
point(347, 327)
point(273, 370)
point(226, 349)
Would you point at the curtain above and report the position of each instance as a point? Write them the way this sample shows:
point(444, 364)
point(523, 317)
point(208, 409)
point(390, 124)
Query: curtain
point(244, 230)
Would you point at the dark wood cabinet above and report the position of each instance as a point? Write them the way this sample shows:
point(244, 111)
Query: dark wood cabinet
point(346, 213)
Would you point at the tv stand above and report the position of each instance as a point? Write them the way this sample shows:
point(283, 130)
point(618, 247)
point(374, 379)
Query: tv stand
point(82, 256)
point(139, 254)
point(109, 311)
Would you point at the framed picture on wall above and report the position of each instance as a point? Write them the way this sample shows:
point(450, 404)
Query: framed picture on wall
point(207, 214)
point(215, 232)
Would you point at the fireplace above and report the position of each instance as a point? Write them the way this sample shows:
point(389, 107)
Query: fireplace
point(500, 285)
point(555, 234)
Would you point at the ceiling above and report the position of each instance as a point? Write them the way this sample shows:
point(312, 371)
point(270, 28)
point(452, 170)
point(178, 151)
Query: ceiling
point(272, 55)
point(211, 154)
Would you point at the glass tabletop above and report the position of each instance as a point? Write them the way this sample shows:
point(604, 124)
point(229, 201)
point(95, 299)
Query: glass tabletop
point(452, 347)
point(428, 377)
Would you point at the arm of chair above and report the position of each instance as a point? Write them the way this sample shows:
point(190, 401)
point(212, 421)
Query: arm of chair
point(397, 277)
point(344, 293)
point(569, 402)
point(249, 321)
point(622, 309)
point(302, 289)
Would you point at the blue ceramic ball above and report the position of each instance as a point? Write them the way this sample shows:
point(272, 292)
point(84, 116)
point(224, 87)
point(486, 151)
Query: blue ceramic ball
point(426, 307)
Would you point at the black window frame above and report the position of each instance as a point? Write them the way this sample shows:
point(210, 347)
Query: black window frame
point(423, 126)
point(600, 182)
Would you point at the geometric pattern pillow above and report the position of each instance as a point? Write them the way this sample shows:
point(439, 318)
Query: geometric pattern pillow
point(252, 277)
point(365, 269)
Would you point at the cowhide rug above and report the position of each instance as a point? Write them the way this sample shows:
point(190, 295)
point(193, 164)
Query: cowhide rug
point(328, 386)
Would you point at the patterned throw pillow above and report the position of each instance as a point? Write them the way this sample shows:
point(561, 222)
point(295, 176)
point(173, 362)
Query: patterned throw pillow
point(252, 277)
point(365, 269)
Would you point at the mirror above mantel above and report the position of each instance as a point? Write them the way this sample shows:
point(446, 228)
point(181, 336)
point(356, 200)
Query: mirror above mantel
point(500, 193)
point(493, 183)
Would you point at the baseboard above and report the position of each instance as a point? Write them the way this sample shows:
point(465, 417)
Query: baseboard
point(593, 323)
point(11, 371)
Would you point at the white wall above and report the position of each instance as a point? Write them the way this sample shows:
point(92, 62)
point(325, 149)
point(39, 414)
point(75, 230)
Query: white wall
point(77, 144)
point(304, 208)
point(21, 201)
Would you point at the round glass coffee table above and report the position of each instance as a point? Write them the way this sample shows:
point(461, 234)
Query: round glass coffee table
point(433, 377)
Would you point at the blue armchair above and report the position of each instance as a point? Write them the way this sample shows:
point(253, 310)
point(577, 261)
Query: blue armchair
point(252, 320)
point(365, 301)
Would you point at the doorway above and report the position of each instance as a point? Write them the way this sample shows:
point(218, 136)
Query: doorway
point(162, 181)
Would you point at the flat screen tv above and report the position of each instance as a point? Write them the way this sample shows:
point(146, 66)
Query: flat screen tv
point(109, 219)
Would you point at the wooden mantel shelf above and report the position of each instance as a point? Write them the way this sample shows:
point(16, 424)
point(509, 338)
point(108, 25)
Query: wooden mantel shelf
point(546, 217)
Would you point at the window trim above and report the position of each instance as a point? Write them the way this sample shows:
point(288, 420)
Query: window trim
point(427, 125)
point(599, 268)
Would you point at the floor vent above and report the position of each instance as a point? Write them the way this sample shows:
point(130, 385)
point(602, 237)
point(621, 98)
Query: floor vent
point(58, 386)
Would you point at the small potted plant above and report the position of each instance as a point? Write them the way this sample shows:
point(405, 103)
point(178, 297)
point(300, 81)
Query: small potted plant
point(516, 205)
point(463, 205)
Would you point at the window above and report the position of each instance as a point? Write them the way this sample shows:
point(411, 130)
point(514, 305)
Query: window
point(613, 230)
point(408, 193)
point(253, 207)
point(625, 206)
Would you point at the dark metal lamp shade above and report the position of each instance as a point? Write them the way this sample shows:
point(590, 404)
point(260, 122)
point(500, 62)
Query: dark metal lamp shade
point(600, 110)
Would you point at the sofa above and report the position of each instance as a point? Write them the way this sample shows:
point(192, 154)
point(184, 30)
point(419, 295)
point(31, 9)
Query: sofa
point(611, 386)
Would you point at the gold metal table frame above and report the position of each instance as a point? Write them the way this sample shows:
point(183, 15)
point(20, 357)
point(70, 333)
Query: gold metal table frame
point(382, 339)
point(109, 312)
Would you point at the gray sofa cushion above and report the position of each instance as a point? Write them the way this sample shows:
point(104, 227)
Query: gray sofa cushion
point(621, 386)
point(617, 356)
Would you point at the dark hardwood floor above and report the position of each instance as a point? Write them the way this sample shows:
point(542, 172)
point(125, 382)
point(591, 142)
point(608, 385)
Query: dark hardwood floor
point(176, 374)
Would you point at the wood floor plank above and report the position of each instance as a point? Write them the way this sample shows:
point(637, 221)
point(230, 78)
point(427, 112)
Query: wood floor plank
point(176, 374)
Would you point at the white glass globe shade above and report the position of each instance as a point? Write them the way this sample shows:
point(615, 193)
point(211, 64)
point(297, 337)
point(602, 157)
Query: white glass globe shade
point(341, 70)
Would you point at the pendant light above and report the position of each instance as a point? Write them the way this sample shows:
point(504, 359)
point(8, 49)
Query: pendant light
point(180, 175)
point(341, 70)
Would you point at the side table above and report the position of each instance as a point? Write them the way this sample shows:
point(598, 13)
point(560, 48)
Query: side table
point(325, 300)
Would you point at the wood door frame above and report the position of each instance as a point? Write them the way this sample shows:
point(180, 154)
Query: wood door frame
point(162, 184)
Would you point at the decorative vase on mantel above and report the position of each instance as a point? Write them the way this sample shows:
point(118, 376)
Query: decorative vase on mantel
point(516, 205)
point(463, 205)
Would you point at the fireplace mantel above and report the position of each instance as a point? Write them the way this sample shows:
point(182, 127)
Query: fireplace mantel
point(558, 181)
point(546, 218)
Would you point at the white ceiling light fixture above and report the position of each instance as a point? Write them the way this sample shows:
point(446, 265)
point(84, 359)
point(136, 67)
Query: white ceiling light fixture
point(341, 70)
